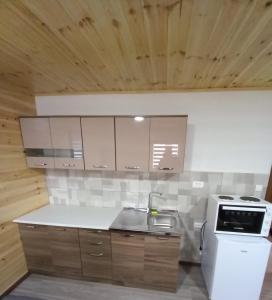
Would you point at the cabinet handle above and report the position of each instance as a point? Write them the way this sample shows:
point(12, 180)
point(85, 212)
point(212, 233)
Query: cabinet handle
point(128, 235)
point(60, 229)
point(96, 254)
point(162, 238)
point(97, 244)
point(30, 226)
point(132, 167)
point(41, 165)
point(94, 231)
point(68, 165)
point(100, 166)
point(166, 169)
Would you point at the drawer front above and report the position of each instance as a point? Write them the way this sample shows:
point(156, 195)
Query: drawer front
point(96, 264)
point(95, 253)
point(94, 237)
point(127, 257)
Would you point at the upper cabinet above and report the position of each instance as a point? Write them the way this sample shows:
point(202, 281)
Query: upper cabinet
point(167, 144)
point(132, 144)
point(98, 143)
point(67, 142)
point(37, 142)
point(149, 144)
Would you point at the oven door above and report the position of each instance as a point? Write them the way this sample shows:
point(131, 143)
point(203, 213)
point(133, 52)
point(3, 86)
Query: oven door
point(240, 219)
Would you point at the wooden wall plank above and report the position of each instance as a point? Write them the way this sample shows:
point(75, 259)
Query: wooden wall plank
point(21, 189)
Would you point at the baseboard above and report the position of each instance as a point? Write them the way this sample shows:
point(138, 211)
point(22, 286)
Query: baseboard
point(14, 285)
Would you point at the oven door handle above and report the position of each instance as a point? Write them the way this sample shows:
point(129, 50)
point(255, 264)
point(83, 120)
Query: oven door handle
point(243, 208)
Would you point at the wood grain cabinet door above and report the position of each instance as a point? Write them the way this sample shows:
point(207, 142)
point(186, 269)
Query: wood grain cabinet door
point(36, 243)
point(127, 257)
point(95, 247)
point(167, 144)
point(37, 142)
point(98, 143)
point(67, 142)
point(65, 250)
point(132, 144)
point(161, 262)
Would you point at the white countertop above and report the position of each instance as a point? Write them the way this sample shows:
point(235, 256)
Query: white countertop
point(72, 216)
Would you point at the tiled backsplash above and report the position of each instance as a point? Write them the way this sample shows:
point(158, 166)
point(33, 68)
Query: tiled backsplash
point(123, 189)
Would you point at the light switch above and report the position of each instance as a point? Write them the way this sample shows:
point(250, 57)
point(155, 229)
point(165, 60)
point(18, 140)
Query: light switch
point(197, 225)
point(258, 188)
point(198, 184)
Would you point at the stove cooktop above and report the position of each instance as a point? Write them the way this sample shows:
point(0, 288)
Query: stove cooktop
point(240, 199)
point(222, 197)
point(250, 198)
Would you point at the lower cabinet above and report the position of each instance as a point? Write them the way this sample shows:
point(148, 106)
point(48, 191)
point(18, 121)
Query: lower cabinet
point(127, 257)
point(150, 261)
point(51, 250)
point(65, 250)
point(161, 262)
point(36, 243)
point(95, 248)
point(123, 257)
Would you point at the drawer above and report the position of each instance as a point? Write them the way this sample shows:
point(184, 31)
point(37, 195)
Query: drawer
point(94, 237)
point(96, 265)
point(96, 251)
point(96, 254)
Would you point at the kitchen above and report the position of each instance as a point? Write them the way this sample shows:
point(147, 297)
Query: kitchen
point(221, 146)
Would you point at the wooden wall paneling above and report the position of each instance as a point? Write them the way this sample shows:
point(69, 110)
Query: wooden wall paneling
point(60, 47)
point(21, 189)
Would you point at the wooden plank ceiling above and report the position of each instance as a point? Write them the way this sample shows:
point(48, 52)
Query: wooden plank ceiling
point(78, 46)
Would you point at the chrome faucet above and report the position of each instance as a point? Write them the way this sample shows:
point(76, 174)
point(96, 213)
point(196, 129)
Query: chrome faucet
point(150, 197)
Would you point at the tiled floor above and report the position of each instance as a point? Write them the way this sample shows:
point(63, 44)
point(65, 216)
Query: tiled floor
point(191, 287)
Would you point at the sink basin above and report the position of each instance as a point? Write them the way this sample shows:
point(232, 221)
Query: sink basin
point(162, 220)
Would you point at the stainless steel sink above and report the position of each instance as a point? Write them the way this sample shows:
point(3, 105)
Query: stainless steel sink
point(162, 220)
point(165, 222)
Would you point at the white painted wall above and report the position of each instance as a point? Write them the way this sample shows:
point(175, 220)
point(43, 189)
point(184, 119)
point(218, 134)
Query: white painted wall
point(227, 132)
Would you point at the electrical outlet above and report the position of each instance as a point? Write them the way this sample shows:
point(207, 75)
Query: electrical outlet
point(258, 188)
point(197, 225)
point(198, 184)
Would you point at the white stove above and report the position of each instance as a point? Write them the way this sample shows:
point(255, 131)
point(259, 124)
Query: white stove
point(234, 251)
point(241, 215)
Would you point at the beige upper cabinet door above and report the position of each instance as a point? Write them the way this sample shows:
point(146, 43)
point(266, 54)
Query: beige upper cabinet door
point(167, 144)
point(98, 143)
point(66, 133)
point(132, 144)
point(37, 142)
point(36, 133)
point(67, 142)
